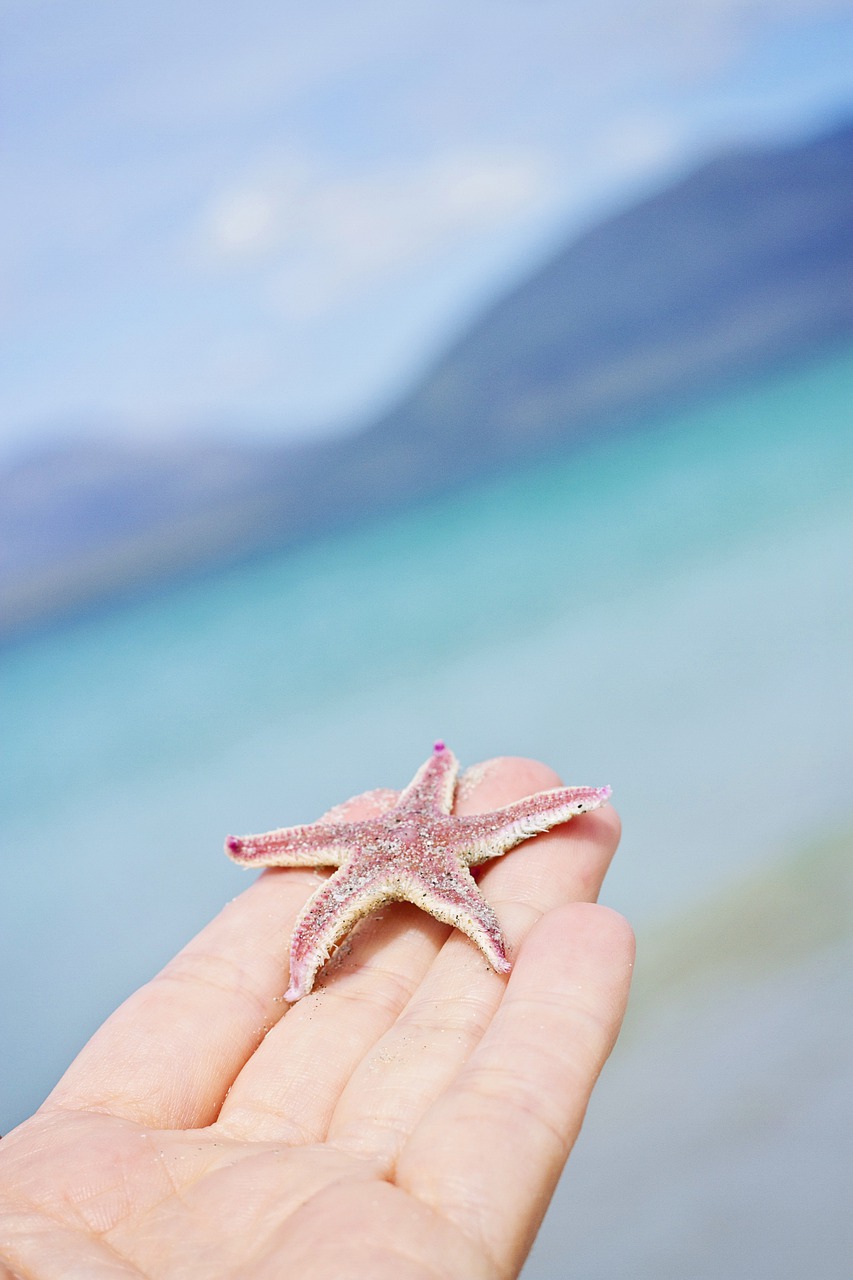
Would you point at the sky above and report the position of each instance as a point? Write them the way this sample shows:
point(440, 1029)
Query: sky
point(266, 219)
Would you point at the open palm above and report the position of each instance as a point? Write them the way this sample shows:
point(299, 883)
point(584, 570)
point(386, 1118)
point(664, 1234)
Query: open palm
point(408, 1119)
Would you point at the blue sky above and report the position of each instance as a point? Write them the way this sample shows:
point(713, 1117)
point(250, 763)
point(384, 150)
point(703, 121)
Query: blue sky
point(267, 218)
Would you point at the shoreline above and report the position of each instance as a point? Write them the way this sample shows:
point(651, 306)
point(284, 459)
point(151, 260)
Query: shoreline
point(715, 1142)
point(778, 914)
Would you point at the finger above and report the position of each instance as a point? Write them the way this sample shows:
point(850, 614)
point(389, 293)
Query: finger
point(326, 1036)
point(488, 1154)
point(421, 1054)
point(289, 1089)
point(168, 1055)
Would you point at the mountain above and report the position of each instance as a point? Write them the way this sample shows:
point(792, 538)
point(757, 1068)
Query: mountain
point(743, 264)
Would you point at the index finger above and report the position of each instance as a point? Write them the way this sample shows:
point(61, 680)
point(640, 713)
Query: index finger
point(169, 1053)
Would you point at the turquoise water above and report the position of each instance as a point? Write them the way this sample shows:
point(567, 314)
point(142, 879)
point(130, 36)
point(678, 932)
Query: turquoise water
point(670, 613)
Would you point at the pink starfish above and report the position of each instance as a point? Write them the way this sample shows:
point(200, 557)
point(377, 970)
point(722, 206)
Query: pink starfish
point(416, 851)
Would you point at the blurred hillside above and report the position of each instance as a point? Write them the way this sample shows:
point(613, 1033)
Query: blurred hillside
point(743, 264)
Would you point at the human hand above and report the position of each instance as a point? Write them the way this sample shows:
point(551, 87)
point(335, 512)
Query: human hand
point(408, 1119)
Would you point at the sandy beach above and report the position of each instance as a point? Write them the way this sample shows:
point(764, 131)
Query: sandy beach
point(719, 1141)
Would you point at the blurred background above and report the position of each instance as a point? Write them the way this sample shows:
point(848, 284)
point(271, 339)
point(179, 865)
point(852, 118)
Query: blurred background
point(373, 373)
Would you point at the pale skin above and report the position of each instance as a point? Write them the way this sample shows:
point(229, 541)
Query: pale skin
point(408, 1119)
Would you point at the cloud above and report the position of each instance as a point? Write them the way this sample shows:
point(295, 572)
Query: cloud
point(319, 238)
point(636, 145)
point(243, 222)
point(205, 202)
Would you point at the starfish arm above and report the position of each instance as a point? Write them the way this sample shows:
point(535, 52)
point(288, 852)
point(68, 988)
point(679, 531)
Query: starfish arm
point(327, 916)
point(412, 847)
point(434, 784)
point(453, 897)
point(317, 845)
point(492, 834)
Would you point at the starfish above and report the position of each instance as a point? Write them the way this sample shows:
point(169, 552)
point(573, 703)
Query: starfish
point(416, 850)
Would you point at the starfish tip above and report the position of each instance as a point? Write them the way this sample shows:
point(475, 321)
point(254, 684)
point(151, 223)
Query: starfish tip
point(233, 844)
point(438, 747)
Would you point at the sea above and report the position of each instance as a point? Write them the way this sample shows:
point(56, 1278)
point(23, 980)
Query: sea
point(669, 611)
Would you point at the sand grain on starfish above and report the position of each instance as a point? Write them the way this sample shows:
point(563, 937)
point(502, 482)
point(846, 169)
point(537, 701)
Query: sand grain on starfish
point(415, 850)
